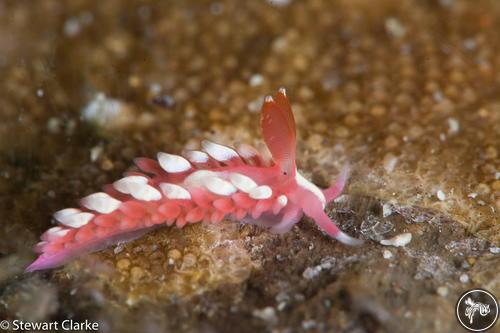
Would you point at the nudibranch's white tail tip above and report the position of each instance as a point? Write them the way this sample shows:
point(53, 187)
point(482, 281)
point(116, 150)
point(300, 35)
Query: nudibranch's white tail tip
point(268, 99)
point(282, 90)
point(348, 240)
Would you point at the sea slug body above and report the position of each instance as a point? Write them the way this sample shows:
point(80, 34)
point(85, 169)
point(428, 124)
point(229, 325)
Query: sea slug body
point(200, 186)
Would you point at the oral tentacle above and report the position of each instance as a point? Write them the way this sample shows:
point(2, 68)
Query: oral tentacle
point(334, 191)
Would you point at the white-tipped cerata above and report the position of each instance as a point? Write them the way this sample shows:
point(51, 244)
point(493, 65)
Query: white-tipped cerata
point(101, 202)
point(144, 192)
point(65, 212)
point(173, 191)
point(247, 151)
point(282, 200)
point(242, 182)
point(282, 90)
point(124, 185)
point(173, 163)
point(196, 156)
point(55, 232)
point(196, 179)
point(219, 186)
point(39, 246)
point(76, 220)
point(268, 99)
point(219, 152)
point(261, 192)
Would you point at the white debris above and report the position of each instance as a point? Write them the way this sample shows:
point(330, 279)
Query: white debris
point(118, 248)
point(453, 126)
point(390, 161)
point(281, 306)
point(54, 125)
point(472, 195)
point(440, 195)
point(309, 324)
point(279, 3)
point(95, 152)
point(155, 88)
point(311, 272)
point(386, 210)
point(282, 297)
point(256, 80)
point(103, 111)
point(394, 27)
point(40, 92)
point(442, 291)
point(387, 254)
point(495, 250)
point(438, 96)
point(398, 241)
point(267, 314)
point(469, 43)
point(464, 278)
point(72, 27)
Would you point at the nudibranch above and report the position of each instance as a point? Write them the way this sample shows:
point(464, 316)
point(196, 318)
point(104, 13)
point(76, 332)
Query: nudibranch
point(200, 186)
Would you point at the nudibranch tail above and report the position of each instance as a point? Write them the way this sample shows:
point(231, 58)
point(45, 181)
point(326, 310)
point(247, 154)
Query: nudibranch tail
point(324, 222)
point(200, 186)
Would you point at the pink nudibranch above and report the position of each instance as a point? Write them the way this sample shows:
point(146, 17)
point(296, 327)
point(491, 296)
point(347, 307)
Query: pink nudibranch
point(200, 186)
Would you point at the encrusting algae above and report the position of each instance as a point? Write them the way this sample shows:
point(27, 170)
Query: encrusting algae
point(172, 264)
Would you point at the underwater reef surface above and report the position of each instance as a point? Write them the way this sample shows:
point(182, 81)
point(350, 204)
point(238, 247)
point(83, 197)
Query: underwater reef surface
point(405, 92)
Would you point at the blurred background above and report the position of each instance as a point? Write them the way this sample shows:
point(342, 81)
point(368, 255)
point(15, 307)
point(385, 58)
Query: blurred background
point(405, 92)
